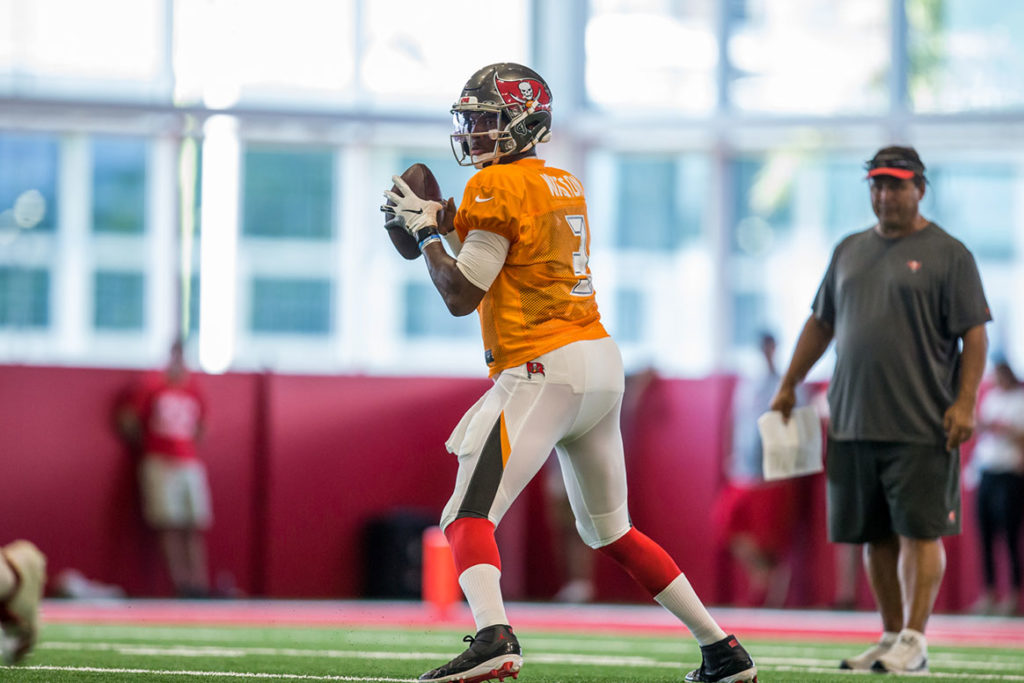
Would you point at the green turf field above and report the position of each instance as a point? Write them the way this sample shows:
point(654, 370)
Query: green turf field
point(70, 652)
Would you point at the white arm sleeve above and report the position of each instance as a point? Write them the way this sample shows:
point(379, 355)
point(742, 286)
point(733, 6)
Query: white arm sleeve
point(482, 256)
point(454, 243)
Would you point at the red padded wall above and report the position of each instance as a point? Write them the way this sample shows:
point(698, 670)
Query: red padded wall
point(69, 484)
point(299, 464)
point(342, 451)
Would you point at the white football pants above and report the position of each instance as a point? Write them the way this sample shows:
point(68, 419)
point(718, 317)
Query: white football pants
point(573, 408)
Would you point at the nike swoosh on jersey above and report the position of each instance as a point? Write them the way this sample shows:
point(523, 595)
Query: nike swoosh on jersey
point(478, 199)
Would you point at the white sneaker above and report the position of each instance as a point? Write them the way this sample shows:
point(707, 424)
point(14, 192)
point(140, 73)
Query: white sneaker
point(863, 661)
point(19, 616)
point(908, 656)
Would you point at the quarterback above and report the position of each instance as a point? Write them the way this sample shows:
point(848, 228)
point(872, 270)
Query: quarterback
point(520, 240)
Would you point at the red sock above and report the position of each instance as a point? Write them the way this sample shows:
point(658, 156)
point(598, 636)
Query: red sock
point(472, 543)
point(646, 561)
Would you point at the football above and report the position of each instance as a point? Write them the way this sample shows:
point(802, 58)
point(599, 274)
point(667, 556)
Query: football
point(424, 184)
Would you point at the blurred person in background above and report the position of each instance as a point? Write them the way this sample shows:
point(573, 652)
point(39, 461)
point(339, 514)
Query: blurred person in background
point(899, 298)
point(521, 241)
point(22, 581)
point(163, 421)
point(997, 468)
point(756, 517)
point(575, 559)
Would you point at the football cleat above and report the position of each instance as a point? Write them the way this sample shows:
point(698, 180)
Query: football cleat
point(909, 655)
point(19, 615)
point(864, 660)
point(494, 654)
point(724, 662)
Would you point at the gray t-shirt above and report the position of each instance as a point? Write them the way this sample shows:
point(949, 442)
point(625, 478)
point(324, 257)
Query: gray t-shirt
point(898, 308)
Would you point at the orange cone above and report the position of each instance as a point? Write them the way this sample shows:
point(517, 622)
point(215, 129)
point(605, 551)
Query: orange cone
point(440, 582)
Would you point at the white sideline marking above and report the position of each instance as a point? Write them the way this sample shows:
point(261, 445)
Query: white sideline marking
point(207, 674)
point(217, 651)
point(768, 663)
point(790, 664)
point(934, 674)
point(676, 646)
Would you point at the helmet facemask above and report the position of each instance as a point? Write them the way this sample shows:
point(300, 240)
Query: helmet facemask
point(481, 134)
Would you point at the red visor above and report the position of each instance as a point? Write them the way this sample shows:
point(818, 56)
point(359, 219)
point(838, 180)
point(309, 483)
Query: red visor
point(901, 173)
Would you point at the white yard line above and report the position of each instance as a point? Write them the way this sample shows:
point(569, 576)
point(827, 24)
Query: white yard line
point(947, 675)
point(208, 674)
point(991, 666)
point(234, 652)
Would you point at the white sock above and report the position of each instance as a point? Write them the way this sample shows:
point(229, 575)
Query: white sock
point(917, 634)
point(680, 599)
point(481, 585)
point(889, 637)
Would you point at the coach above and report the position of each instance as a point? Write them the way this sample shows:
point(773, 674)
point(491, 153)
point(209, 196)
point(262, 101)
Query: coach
point(898, 298)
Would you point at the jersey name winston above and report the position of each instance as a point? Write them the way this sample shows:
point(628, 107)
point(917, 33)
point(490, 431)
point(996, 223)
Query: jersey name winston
point(563, 186)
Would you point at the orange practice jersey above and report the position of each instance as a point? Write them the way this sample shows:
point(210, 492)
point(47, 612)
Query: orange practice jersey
point(543, 298)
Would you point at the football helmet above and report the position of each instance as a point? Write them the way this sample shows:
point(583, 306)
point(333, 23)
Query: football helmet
point(504, 110)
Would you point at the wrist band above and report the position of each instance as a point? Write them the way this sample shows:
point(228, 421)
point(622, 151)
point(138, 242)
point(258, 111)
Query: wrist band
point(431, 237)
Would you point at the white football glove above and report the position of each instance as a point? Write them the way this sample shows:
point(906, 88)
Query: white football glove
point(415, 214)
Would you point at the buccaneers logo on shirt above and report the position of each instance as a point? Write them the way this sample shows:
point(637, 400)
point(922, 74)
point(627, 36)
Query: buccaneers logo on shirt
point(526, 92)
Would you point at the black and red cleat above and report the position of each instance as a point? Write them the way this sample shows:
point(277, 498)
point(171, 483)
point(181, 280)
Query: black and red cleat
point(493, 655)
point(724, 662)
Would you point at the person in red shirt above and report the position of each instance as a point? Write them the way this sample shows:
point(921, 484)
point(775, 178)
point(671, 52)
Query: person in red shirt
point(163, 421)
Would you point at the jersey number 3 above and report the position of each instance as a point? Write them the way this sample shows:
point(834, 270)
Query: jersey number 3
point(584, 287)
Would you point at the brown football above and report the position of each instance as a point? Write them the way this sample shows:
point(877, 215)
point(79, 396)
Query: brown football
point(424, 184)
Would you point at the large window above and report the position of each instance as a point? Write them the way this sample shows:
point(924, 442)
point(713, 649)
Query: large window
point(24, 298)
point(660, 201)
point(630, 325)
point(721, 145)
point(427, 317)
point(787, 196)
point(288, 193)
point(651, 54)
point(749, 317)
point(808, 56)
point(788, 209)
point(119, 185)
point(83, 48)
point(846, 195)
point(763, 193)
point(300, 52)
point(291, 306)
point(978, 203)
point(417, 55)
point(28, 181)
point(119, 300)
point(965, 55)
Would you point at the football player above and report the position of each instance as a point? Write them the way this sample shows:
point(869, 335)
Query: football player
point(521, 240)
point(22, 579)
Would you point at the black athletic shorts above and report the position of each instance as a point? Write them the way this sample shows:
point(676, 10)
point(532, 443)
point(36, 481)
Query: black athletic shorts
point(876, 488)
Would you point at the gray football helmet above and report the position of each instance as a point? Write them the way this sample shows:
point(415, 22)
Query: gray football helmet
point(504, 110)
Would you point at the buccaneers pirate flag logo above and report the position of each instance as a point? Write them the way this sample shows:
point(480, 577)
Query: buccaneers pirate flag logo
point(526, 92)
